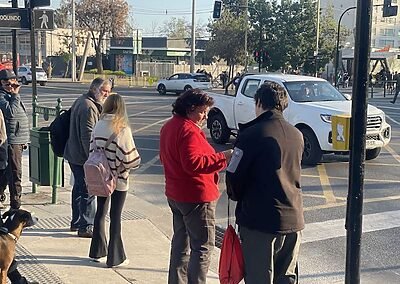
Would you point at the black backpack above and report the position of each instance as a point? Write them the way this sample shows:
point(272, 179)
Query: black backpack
point(59, 132)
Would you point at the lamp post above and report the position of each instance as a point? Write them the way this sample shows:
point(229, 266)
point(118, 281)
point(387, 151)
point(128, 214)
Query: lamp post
point(193, 47)
point(246, 62)
point(73, 65)
point(337, 44)
point(317, 40)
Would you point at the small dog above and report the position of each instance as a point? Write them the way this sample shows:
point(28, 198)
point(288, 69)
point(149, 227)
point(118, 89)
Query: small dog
point(10, 232)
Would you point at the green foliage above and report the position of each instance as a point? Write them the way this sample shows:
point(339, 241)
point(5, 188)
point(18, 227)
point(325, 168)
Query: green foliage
point(227, 38)
point(286, 29)
point(108, 72)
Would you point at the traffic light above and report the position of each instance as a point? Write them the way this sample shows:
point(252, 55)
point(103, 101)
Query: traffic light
point(265, 56)
point(257, 56)
point(388, 9)
point(217, 9)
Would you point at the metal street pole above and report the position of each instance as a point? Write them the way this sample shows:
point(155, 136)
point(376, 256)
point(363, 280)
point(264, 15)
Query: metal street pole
point(193, 47)
point(14, 43)
point(73, 65)
point(28, 4)
point(337, 44)
point(246, 19)
point(358, 133)
point(317, 41)
point(260, 43)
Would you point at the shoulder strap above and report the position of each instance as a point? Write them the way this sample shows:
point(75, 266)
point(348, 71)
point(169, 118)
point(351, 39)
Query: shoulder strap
point(110, 139)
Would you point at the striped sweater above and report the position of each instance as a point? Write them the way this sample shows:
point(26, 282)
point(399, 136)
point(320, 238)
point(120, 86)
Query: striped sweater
point(121, 153)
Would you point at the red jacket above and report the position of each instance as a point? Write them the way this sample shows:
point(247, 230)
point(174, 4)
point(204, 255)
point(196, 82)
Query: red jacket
point(191, 164)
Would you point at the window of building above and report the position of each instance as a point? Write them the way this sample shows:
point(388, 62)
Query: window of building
point(387, 32)
point(384, 42)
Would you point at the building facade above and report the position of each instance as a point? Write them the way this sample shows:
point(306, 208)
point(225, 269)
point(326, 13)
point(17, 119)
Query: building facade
point(385, 31)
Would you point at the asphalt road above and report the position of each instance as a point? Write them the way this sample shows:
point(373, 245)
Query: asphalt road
point(325, 188)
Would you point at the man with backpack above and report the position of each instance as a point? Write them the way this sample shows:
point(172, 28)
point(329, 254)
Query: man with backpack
point(85, 112)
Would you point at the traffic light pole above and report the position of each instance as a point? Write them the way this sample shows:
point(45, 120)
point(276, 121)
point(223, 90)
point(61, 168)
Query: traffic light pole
point(28, 4)
point(14, 43)
point(337, 44)
point(358, 133)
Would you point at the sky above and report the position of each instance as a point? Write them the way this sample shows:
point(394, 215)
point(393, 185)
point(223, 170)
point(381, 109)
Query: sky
point(150, 15)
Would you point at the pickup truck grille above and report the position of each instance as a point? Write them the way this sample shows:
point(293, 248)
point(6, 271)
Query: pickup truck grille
point(374, 123)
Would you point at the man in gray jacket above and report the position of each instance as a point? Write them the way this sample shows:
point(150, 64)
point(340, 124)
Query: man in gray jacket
point(17, 126)
point(85, 112)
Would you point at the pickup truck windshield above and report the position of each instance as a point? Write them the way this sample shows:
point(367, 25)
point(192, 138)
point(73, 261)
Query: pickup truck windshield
point(313, 91)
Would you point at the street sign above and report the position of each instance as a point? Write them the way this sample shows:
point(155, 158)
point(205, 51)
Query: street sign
point(44, 19)
point(14, 18)
point(40, 3)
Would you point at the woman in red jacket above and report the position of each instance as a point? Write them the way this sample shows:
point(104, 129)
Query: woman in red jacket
point(191, 168)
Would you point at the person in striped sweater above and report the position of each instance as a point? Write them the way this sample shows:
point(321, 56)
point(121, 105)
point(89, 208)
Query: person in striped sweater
point(122, 157)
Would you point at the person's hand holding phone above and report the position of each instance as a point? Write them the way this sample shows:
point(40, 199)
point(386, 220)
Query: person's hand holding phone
point(228, 155)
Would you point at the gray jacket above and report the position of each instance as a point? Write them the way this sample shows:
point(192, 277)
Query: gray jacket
point(3, 143)
point(15, 117)
point(85, 112)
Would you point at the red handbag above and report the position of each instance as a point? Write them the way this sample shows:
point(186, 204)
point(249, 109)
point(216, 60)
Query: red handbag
point(231, 262)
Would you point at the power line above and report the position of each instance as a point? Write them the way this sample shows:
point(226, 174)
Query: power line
point(166, 13)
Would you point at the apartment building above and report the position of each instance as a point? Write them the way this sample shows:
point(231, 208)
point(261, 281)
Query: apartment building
point(385, 31)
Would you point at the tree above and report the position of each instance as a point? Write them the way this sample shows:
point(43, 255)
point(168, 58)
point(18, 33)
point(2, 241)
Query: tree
point(180, 28)
point(102, 18)
point(227, 39)
point(62, 17)
point(285, 30)
point(65, 51)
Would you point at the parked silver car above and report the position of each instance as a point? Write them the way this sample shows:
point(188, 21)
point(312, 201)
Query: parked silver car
point(181, 82)
point(25, 75)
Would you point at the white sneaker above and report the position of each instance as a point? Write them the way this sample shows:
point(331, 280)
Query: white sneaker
point(124, 263)
point(99, 259)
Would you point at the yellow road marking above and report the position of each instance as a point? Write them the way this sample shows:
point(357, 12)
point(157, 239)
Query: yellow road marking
point(372, 164)
point(393, 153)
point(326, 186)
point(339, 204)
point(321, 196)
point(346, 178)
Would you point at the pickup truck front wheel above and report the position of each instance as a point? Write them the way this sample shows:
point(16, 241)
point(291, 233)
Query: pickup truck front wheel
point(371, 154)
point(219, 131)
point(312, 154)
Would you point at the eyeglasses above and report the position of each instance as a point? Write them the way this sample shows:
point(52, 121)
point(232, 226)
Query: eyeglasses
point(14, 85)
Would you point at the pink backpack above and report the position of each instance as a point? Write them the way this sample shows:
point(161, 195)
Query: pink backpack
point(99, 178)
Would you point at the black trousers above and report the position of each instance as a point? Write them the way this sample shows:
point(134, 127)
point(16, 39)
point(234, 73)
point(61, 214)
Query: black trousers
point(98, 247)
point(13, 174)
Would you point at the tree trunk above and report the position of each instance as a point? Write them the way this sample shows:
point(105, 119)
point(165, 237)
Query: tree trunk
point(99, 61)
point(67, 69)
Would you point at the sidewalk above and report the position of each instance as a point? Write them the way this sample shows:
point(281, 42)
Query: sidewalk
point(50, 253)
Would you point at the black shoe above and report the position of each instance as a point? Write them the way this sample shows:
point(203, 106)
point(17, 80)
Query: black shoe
point(86, 233)
point(73, 228)
point(392, 102)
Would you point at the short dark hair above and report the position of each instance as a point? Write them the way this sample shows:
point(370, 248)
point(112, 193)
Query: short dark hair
point(271, 96)
point(189, 99)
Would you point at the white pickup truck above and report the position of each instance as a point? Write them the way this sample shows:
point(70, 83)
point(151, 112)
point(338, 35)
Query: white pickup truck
point(312, 103)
